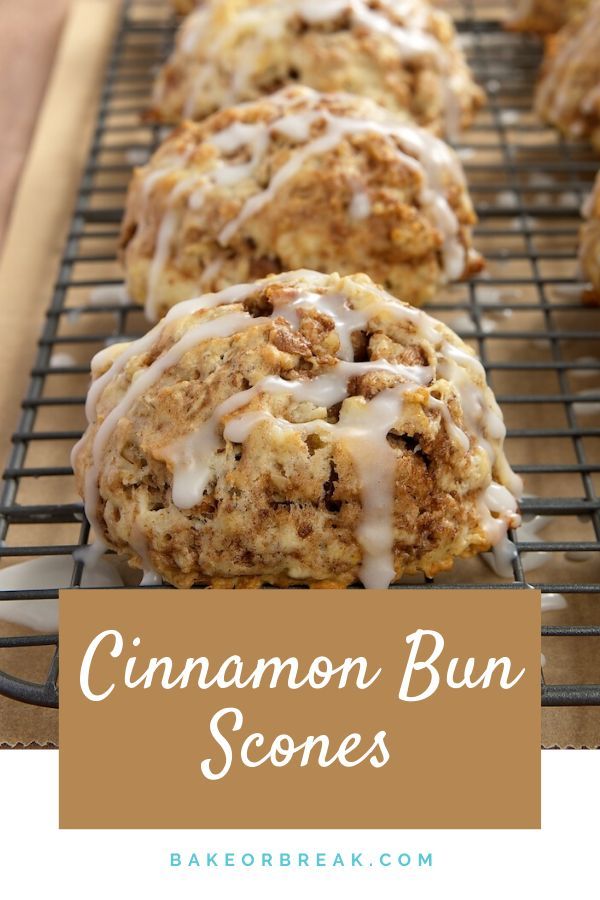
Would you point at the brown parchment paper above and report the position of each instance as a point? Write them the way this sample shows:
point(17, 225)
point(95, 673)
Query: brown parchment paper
point(28, 267)
point(31, 254)
point(29, 34)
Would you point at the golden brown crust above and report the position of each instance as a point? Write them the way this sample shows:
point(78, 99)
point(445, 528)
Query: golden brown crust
point(568, 92)
point(589, 247)
point(357, 205)
point(544, 16)
point(234, 51)
point(283, 506)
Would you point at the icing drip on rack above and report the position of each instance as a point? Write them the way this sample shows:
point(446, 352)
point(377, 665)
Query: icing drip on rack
point(363, 424)
point(411, 40)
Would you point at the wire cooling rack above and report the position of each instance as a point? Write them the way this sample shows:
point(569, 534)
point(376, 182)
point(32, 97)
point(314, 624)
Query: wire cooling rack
point(537, 340)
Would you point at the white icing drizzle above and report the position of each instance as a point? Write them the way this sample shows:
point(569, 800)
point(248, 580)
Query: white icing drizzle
point(191, 456)
point(61, 360)
point(360, 206)
point(553, 602)
point(567, 291)
point(429, 158)
point(422, 153)
point(137, 156)
point(109, 293)
point(493, 299)
point(464, 371)
point(569, 90)
point(335, 306)
point(362, 427)
point(592, 361)
point(42, 573)
point(222, 326)
point(587, 207)
point(507, 199)
point(150, 578)
point(501, 557)
point(463, 323)
point(91, 554)
point(166, 232)
point(211, 271)
point(500, 560)
point(410, 39)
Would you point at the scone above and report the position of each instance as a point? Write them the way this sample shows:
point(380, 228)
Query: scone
point(183, 7)
point(402, 53)
point(297, 180)
point(304, 429)
point(544, 16)
point(589, 247)
point(568, 93)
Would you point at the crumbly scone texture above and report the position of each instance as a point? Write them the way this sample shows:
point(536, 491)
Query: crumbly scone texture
point(589, 246)
point(404, 55)
point(183, 7)
point(354, 201)
point(544, 16)
point(284, 505)
point(568, 92)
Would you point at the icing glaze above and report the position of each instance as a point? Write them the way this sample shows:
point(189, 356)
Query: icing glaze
point(405, 23)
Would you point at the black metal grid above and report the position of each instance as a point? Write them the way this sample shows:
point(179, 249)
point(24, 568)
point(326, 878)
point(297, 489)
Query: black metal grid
point(528, 185)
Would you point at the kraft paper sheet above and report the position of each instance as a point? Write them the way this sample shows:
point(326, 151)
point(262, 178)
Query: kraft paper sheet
point(27, 273)
point(28, 269)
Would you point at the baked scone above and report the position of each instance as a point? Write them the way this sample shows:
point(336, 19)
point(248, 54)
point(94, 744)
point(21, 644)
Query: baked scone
point(568, 92)
point(402, 53)
point(297, 180)
point(589, 247)
point(304, 429)
point(544, 16)
point(183, 7)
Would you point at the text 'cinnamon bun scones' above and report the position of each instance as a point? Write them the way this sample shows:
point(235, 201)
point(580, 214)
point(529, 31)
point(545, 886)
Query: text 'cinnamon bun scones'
point(297, 180)
point(589, 248)
point(402, 53)
point(568, 93)
point(306, 429)
point(544, 16)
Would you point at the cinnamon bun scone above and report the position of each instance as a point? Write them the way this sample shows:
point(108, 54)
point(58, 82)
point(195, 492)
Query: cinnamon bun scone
point(304, 429)
point(402, 53)
point(183, 7)
point(568, 92)
point(543, 16)
point(297, 180)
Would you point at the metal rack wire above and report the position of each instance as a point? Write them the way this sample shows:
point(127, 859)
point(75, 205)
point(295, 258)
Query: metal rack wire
point(532, 332)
